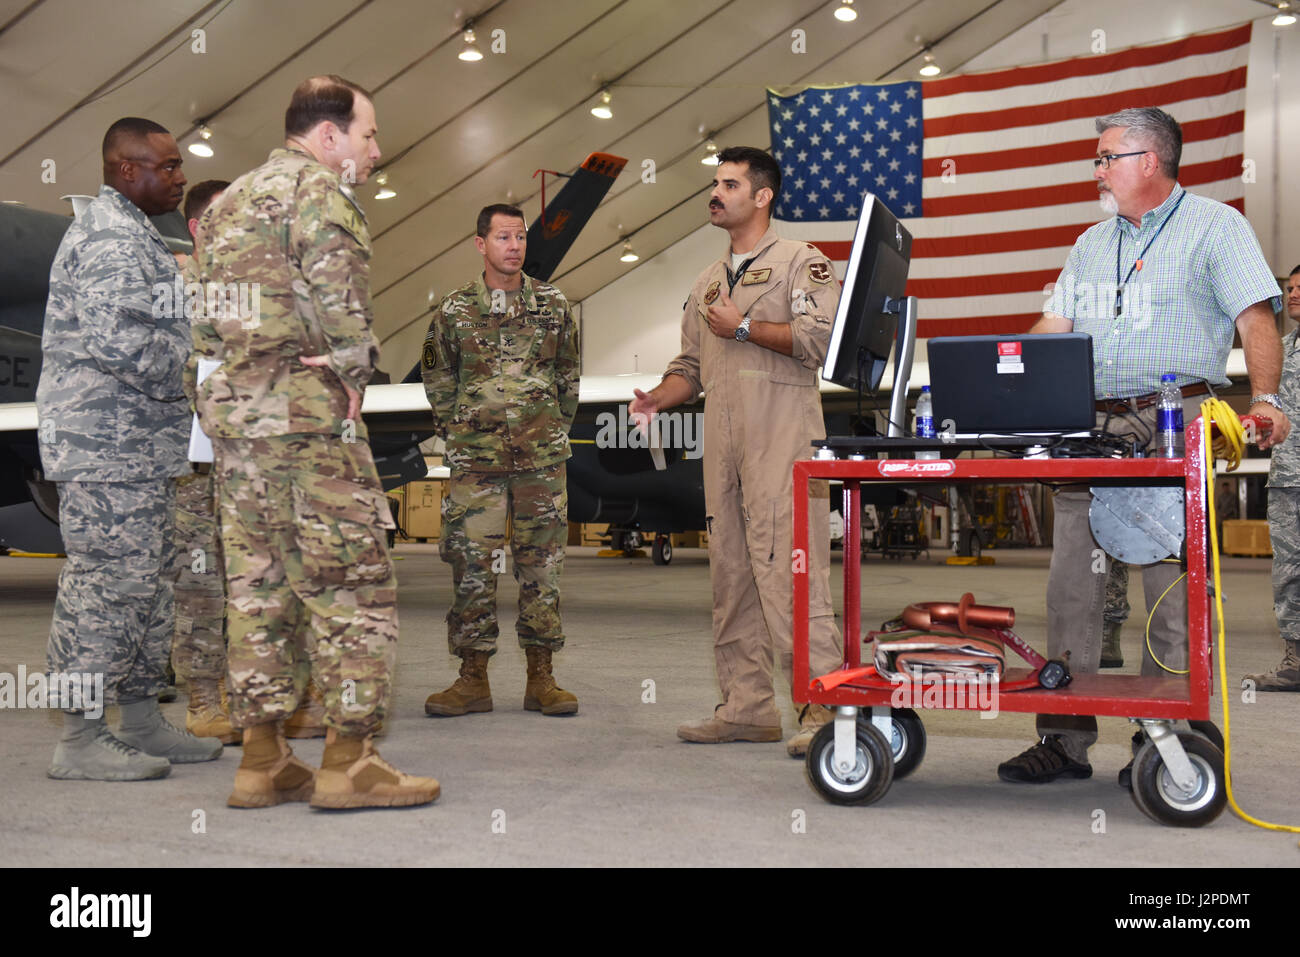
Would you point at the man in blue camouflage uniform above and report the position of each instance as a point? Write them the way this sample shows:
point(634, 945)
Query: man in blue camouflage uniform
point(1284, 516)
point(285, 252)
point(500, 367)
point(113, 426)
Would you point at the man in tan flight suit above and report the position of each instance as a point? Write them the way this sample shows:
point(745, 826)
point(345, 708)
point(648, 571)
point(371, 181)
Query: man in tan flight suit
point(754, 331)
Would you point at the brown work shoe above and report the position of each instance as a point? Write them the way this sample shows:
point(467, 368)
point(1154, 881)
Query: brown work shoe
point(468, 693)
point(309, 720)
point(542, 693)
point(353, 775)
point(811, 718)
point(207, 715)
point(1286, 676)
point(269, 774)
point(717, 731)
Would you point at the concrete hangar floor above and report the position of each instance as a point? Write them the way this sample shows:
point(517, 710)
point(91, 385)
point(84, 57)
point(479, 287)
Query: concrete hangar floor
point(613, 785)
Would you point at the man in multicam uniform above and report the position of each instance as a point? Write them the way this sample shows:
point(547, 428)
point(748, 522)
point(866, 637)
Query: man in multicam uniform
point(754, 330)
point(500, 367)
point(112, 433)
point(1284, 515)
point(311, 587)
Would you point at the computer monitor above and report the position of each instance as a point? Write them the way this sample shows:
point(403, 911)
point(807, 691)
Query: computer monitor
point(871, 302)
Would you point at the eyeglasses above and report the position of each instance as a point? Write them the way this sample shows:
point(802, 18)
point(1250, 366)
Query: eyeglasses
point(1105, 161)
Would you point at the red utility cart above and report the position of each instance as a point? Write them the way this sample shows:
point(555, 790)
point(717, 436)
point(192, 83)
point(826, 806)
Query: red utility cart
point(1178, 775)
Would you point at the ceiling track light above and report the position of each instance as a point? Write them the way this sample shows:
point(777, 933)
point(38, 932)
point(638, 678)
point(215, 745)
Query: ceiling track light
point(845, 12)
point(629, 254)
point(384, 192)
point(470, 53)
point(602, 109)
point(1284, 16)
point(200, 146)
point(710, 153)
point(929, 67)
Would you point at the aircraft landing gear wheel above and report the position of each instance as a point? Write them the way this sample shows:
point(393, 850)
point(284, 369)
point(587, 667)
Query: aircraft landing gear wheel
point(866, 782)
point(662, 550)
point(1159, 798)
point(907, 741)
point(969, 544)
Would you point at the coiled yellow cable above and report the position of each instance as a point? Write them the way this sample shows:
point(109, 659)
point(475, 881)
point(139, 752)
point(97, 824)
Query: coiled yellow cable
point(1230, 446)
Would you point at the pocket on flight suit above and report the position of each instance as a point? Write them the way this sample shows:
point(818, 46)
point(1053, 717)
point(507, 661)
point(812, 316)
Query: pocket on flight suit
point(760, 531)
point(340, 531)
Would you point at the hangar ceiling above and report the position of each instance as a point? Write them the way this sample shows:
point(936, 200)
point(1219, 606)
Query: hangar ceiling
point(457, 135)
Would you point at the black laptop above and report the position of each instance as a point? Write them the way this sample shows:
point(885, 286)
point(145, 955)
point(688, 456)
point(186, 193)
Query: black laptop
point(1002, 384)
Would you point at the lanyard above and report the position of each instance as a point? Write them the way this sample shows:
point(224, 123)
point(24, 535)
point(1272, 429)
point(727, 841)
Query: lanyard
point(1119, 241)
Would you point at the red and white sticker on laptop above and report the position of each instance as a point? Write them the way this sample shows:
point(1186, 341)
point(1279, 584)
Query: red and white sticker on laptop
point(916, 468)
point(1010, 359)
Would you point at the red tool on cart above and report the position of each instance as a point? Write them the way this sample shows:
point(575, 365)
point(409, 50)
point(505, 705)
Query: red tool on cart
point(1178, 774)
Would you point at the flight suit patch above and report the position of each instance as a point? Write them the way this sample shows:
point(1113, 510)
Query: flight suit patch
point(756, 277)
point(820, 272)
point(711, 293)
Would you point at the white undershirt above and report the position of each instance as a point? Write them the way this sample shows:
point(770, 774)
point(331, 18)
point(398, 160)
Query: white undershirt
point(738, 258)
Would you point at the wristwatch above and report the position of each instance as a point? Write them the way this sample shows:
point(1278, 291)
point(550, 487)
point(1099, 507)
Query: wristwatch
point(1270, 398)
point(742, 330)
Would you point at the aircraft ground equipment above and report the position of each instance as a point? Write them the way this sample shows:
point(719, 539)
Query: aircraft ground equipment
point(1178, 775)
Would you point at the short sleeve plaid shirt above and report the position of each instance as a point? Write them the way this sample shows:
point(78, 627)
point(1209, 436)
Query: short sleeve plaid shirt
point(1178, 281)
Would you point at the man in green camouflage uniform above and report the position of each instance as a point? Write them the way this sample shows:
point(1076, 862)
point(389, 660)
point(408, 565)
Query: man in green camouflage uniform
point(500, 367)
point(199, 648)
point(199, 645)
point(1284, 515)
point(112, 432)
point(285, 263)
point(1114, 614)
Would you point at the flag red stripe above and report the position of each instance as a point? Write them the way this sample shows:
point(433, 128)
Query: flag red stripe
point(1173, 92)
point(990, 284)
point(1073, 151)
point(1193, 175)
point(976, 326)
point(1089, 66)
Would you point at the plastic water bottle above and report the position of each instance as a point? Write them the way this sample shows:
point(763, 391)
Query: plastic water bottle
point(1169, 417)
point(925, 422)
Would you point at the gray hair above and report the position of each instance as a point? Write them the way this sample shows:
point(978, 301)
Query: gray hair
point(1153, 128)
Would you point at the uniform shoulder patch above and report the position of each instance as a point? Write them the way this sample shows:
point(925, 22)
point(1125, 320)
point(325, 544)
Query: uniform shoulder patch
point(430, 357)
point(711, 293)
point(820, 271)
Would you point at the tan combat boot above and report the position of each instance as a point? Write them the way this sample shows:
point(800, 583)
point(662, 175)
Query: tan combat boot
point(208, 715)
point(309, 720)
point(542, 693)
point(1286, 676)
point(353, 775)
point(468, 693)
point(269, 774)
point(811, 718)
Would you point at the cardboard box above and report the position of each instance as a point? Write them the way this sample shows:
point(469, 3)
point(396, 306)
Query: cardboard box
point(1247, 537)
point(423, 517)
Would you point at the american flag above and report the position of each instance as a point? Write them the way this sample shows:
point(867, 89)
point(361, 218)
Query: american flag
point(992, 171)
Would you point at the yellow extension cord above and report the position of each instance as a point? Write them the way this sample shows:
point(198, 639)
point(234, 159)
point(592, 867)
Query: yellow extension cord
point(1230, 446)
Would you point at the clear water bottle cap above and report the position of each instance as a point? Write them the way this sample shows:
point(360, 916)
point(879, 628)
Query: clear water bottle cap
point(1168, 377)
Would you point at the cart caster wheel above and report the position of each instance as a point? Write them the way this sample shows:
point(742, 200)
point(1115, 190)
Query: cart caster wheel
point(662, 550)
point(906, 739)
point(1159, 798)
point(1054, 674)
point(1210, 730)
point(872, 773)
